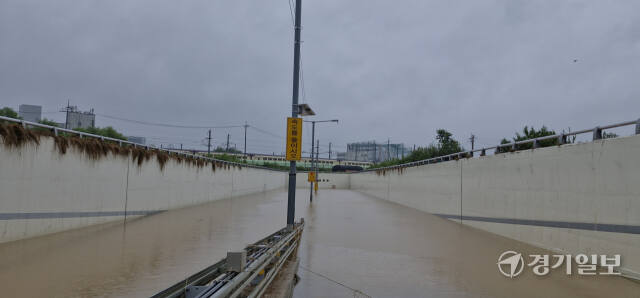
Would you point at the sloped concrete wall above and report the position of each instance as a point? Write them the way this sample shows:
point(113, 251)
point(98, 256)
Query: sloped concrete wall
point(580, 198)
point(42, 191)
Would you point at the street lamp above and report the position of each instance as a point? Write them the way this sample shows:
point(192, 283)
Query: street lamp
point(313, 136)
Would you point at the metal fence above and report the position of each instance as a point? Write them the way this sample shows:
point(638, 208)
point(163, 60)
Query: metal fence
point(562, 139)
point(57, 130)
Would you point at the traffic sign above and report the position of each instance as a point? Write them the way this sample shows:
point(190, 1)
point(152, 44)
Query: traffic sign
point(294, 138)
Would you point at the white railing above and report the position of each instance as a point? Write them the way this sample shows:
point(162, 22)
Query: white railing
point(562, 139)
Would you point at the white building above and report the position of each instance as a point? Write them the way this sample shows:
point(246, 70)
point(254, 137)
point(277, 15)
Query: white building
point(30, 113)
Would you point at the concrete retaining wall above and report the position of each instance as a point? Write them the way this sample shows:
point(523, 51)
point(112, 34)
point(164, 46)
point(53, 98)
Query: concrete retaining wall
point(42, 191)
point(581, 198)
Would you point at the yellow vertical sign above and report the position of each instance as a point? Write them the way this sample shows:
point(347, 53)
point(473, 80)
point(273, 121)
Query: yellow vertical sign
point(311, 177)
point(294, 138)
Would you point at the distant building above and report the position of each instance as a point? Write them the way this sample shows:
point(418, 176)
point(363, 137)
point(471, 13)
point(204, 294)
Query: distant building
point(137, 140)
point(30, 113)
point(78, 119)
point(375, 152)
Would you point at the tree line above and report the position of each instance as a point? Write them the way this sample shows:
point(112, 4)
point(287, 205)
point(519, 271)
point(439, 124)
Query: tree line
point(445, 144)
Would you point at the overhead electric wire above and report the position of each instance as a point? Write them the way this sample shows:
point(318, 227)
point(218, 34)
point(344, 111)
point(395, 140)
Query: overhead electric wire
point(164, 124)
point(266, 132)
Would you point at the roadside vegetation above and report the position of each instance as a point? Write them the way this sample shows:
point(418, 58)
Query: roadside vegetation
point(108, 131)
point(529, 133)
point(445, 144)
point(9, 112)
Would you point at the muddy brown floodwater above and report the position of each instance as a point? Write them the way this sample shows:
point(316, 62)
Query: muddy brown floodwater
point(353, 246)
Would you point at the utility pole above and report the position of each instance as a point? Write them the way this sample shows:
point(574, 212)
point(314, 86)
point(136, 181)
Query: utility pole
point(180, 146)
point(291, 196)
point(375, 152)
point(473, 139)
point(388, 151)
point(357, 146)
point(313, 138)
point(66, 110)
point(329, 150)
point(245, 137)
point(209, 143)
point(397, 152)
point(227, 143)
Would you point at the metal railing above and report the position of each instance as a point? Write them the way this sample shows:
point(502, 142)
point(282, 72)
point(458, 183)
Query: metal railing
point(57, 130)
point(265, 258)
point(562, 139)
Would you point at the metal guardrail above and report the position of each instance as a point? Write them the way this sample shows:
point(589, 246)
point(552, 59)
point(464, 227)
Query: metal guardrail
point(265, 258)
point(562, 139)
point(56, 131)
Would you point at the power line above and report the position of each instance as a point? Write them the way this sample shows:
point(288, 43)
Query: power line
point(266, 132)
point(164, 124)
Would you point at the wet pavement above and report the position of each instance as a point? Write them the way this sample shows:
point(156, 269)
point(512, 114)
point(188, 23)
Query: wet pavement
point(353, 246)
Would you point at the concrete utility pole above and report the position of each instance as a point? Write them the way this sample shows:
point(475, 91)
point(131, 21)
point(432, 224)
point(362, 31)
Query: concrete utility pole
point(313, 136)
point(375, 152)
point(329, 150)
point(245, 137)
point(209, 143)
point(388, 149)
point(316, 151)
point(317, 156)
point(473, 139)
point(291, 196)
point(227, 143)
point(357, 146)
point(66, 110)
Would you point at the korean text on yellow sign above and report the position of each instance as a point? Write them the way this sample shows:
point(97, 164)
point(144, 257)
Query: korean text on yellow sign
point(294, 138)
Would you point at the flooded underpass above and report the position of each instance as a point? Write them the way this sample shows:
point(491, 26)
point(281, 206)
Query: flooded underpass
point(353, 245)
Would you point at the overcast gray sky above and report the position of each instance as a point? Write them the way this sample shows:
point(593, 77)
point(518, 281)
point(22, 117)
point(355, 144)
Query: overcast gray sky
point(386, 69)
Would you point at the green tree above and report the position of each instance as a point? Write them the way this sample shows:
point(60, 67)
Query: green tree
point(105, 131)
point(529, 133)
point(9, 112)
point(445, 145)
point(49, 122)
point(231, 150)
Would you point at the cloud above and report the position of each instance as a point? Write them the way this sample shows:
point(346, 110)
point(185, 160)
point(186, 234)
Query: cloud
point(396, 70)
